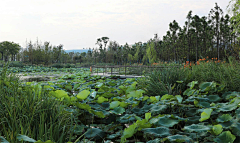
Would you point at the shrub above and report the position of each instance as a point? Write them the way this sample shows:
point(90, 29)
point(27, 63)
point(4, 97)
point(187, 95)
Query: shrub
point(16, 64)
point(57, 65)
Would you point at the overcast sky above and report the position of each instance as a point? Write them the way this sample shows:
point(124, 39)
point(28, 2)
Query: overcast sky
point(77, 24)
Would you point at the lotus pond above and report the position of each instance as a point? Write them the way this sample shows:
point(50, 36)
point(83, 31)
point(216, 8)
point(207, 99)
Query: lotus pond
point(77, 107)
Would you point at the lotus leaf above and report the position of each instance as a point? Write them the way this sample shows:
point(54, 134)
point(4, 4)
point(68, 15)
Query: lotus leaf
point(113, 136)
point(77, 129)
point(227, 125)
point(214, 98)
point(147, 116)
point(180, 139)
point(217, 129)
point(157, 132)
point(123, 104)
point(25, 138)
point(189, 92)
point(136, 94)
point(3, 140)
point(95, 133)
point(193, 120)
point(196, 128)
point(205, 114)
point(225, 137)
point(127, 118)
point(179, 98)
point(204, 104)
point(105, 105)
point(83, 106)
point(191, 112)
point(60, 94)
point(138, 111)
point(157, 140)
point(114, 104)
point(167, 122)
point(93, 94)
point(168, 97)
point(207, 86)
point(227, 108)
point(143, 124)
point(83, 94)
point(101, 100)
point(118, 110)
point(224, 118)
point(192, 84)
point(128, 132)
point(236, 128)
point(158, 109)
point(98, 113)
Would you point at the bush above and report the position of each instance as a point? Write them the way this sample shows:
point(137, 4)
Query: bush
point(70, 66)
point(57, 65)
point(16, 64)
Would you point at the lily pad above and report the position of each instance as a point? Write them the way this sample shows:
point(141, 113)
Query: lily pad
point(180, 139)
point(224, 118)
point(205, 114)
point(165, 121)
point(25, 138)
point(157, 132)
point(95, 133)
point(225, 137)
point(196, 128)
point(83, 94)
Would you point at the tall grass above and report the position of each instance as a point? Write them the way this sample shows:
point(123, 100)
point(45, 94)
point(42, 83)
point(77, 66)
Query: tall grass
point(164, 81)
point(30, 111)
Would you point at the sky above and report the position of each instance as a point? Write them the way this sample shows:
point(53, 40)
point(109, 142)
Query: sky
point(77, 24)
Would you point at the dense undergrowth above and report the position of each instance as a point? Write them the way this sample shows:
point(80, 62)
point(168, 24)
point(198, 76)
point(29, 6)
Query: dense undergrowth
point(178, 106)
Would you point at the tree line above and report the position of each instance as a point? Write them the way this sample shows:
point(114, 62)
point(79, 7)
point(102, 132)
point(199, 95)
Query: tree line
point(215, 35)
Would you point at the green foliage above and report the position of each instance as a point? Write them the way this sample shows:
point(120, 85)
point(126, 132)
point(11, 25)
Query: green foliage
point(225, 137)
point(217, 129)
point(205, 114)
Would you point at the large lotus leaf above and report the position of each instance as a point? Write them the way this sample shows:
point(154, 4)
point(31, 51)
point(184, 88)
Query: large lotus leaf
point(147, 116)
point(83, 94)
point(158, 109)
point(152, 99)
point(225, 137)
point(232, 95)
point(204, 104)
point(224, 118)
point(227, 125)
point(205, 114)
point(138, 111)
point(3, 140)
point(217, 129)
point(224, 95)
point(83, 106)
point(227, 108)
point(95, 133)
point(193, 120)
point(167, 122)
point(180, 139)
point(191, 84)
point(196, 128)
point(101, 100)
point(112, 136)
point(179, 98)
point(157, 132)
point(114, 104)
point(60, 93)
point(98, 113)
point(93, 94)
point(127, 118)
point(207, 86)
point(77, 129)
point(147, 107)
point(214, 98)
point(189, 92)
point(123, 104)
point(128, 132)
point(143, 124)
point(157, 140)
point(118, 110)
point(137, 93)
point(235, 129)
point(191, 112)
point(168, 97)
point(25, 138)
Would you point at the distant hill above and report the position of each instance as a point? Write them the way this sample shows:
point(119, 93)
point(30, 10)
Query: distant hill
point(78, 50)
